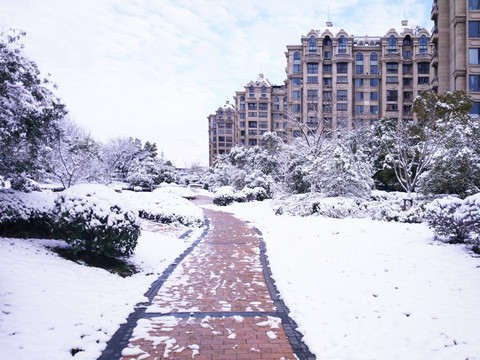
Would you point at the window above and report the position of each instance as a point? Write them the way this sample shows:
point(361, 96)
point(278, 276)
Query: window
point(423, 44)
point(342, 68)
point(407, 40)
point(263, 124)
point(407, 68)
point(423, 68)
point(264, 91)
point(252, 124)
point(407, 95)
point(474, 29)
point(342, 107)
point(392, 44)
point(475, 111)
point(312, 95)
point(242, 102)
point(327, 68)
point(252, 142)
point(327, 82)
point(374, 95)
point(407, 54)
point(276, 125)
point(252, 106)
point(392, 95)
point(242, 115)
point(423, 80)
point(407, 82)
point(474, 56)
point(296, 95)
point(251, 91)
point(263, 106)
point(252, 114)
point(358, 109)
point(373, 82)
point(297, 81)
point(342, 79)
point(296, 133)
point(373, 63)
point(359, 63)
point(296, 108)
point(327, 41)
point(359, 96)
point(312, 68)
point(474, 83)
point(342, 95)
point(392, 68)
point(373, 109)
point(327, 96)
point(342, 45)
point(312, 107)
point(242, 124)
point(312, 44)
point(327, 109)
point(297, 63)
point(359, 82)
point(392, 79)
point(473, 5)
point(312, 79)
point(328, 54)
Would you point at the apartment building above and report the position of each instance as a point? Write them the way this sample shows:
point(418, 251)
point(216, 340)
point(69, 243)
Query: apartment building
point(221, 130)
point(456, 42)
point(335, 80)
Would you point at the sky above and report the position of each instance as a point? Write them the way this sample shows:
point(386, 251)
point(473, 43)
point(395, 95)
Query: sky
point(155, 69)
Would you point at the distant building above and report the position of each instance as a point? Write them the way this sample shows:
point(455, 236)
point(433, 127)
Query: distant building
point(456, 41)
point(341, 80)
point(221, 130)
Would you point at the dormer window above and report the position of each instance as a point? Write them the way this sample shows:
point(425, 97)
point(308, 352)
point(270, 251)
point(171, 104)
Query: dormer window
point(392, 44)
point(312, 44)
point(342, 45)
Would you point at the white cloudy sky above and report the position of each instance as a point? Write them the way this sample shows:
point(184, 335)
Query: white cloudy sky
point(155, 69)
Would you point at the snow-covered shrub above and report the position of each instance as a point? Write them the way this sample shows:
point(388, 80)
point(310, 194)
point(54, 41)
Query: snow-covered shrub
point(95, 219)
point(224, 196)
point(25, 214)
point(442, 216)
point(184, 192)
point(165, 207)
point(258, 193)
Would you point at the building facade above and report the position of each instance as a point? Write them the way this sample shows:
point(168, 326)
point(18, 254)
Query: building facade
point(334, 80)
point(221, 130)
point(456, 41)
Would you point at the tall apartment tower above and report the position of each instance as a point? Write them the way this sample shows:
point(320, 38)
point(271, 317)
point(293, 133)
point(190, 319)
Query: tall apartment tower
point(456, 41)
point(221, 130)
point(353, 81)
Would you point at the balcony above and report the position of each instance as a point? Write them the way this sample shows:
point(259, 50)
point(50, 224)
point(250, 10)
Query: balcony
point(423, 57)
point(343, 56)
point(393, 56)
point(312, 57)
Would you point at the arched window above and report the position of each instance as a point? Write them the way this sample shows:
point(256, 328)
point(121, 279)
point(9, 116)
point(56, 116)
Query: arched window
point(251, 91)
point(423, 44)
point(264, 91)
point(242, 102)
point(392, 44)
point(327, 41)
point(342, 45)
point(359, 63)
point(407, 40)
point(312, 44)
point(373, 63)
point(296, 63)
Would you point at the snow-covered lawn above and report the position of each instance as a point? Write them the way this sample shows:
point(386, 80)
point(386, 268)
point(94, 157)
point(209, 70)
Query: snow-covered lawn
point(364, 289)
point(49, 305)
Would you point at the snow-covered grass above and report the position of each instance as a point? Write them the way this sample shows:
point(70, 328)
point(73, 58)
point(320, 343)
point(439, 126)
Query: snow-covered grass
point(365, 289)
point(49, 305)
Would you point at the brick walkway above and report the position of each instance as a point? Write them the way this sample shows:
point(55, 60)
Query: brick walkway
point(215, 304)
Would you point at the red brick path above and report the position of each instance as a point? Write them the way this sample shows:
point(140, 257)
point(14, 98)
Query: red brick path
point(196, 312)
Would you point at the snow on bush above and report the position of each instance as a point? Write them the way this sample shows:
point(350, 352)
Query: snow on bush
point(184, 192)
point(456, 220)
point(224, 196)
point(25, 214)
point(166, 207)
point(96, 219)
point(381, 206)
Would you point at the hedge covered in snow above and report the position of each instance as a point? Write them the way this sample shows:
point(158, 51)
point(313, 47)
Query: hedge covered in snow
point(96, 219)
point(380, 206)
point(226, 195)
point(26, 214)
point(166, 207)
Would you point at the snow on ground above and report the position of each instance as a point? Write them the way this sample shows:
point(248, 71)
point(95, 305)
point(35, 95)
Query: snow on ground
point(364, 289)
point(49, 305)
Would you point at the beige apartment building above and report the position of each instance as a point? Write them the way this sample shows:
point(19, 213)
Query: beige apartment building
point(335, 80)
point(456, 41)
